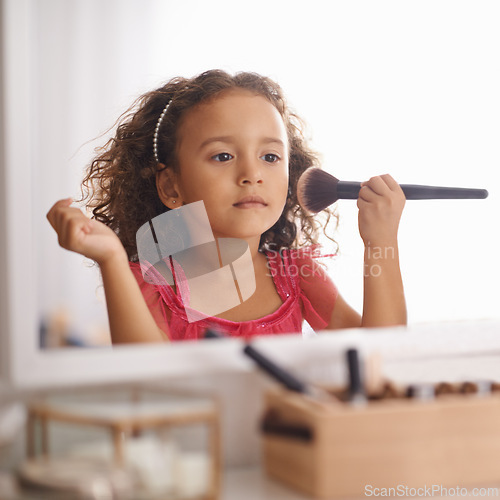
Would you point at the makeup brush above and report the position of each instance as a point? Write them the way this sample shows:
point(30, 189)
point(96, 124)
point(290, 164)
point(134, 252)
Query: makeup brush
point(356, 390)
point(317, 189)
point(290, 381)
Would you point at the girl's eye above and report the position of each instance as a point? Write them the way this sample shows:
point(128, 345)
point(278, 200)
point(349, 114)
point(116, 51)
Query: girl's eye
point(270, 158)
point(222, 157)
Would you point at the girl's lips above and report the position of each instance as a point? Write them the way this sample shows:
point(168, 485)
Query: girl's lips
point(250, 202)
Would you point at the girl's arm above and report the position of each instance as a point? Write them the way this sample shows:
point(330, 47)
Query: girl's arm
point(381, 202)
point(129, 317)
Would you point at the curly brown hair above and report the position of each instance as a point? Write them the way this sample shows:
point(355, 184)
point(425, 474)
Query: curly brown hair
point(120, 183)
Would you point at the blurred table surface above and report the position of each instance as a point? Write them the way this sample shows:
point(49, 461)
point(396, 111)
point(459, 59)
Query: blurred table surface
point(241, 483)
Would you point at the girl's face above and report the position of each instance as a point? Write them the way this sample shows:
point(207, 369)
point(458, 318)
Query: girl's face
point(233, 155)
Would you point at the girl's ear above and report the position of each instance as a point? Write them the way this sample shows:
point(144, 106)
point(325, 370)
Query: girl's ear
point(167, 187)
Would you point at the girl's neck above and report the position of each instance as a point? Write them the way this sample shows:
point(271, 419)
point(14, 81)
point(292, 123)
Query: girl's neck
point(253, 245)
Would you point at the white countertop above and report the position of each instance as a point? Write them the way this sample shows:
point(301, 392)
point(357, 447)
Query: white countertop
point(251, 483)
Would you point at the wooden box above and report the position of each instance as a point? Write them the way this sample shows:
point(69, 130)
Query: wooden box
point(338, 450)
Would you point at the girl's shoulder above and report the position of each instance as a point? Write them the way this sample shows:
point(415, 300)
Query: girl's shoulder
point(304, 270)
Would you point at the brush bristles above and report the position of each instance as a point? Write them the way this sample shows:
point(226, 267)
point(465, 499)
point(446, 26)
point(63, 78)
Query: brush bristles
point(316, 190)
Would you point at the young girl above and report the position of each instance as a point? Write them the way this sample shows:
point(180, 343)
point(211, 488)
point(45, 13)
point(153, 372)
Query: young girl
point(231, 142)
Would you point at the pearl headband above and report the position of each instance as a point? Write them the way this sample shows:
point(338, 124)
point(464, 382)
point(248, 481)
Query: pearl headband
point(155, 136)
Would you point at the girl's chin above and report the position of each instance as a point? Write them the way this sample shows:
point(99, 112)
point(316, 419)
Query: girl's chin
point(244, 231)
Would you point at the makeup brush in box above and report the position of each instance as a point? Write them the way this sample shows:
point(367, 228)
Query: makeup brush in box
point(317, 189)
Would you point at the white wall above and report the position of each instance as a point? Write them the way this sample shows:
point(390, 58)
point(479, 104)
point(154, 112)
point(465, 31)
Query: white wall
point(409, 88)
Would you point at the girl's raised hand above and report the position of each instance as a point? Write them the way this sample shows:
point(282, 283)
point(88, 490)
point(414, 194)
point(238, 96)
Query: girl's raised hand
point(78, 233)
point(381, 201)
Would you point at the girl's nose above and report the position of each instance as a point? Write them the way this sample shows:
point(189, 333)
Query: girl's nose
point(249, 172)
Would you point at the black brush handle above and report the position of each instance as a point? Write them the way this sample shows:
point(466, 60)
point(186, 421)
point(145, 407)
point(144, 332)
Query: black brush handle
point(286, 378)
point(350, 190)
point(417, 192)
point(355, 382)
point(271, 368)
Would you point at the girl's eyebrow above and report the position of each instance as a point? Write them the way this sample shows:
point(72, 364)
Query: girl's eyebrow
point(228, 138)
point(270, 140)
point(206, 142)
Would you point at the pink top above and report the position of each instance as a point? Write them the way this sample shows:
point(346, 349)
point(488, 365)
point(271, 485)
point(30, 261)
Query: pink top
point(303, 286)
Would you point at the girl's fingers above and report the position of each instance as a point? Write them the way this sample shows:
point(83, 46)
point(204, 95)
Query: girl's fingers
point(382, 185)
point(52, 214)
point(68, 222)
point(376, 184)
point(367, 194)
point(390, 182)
point(78, 233)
